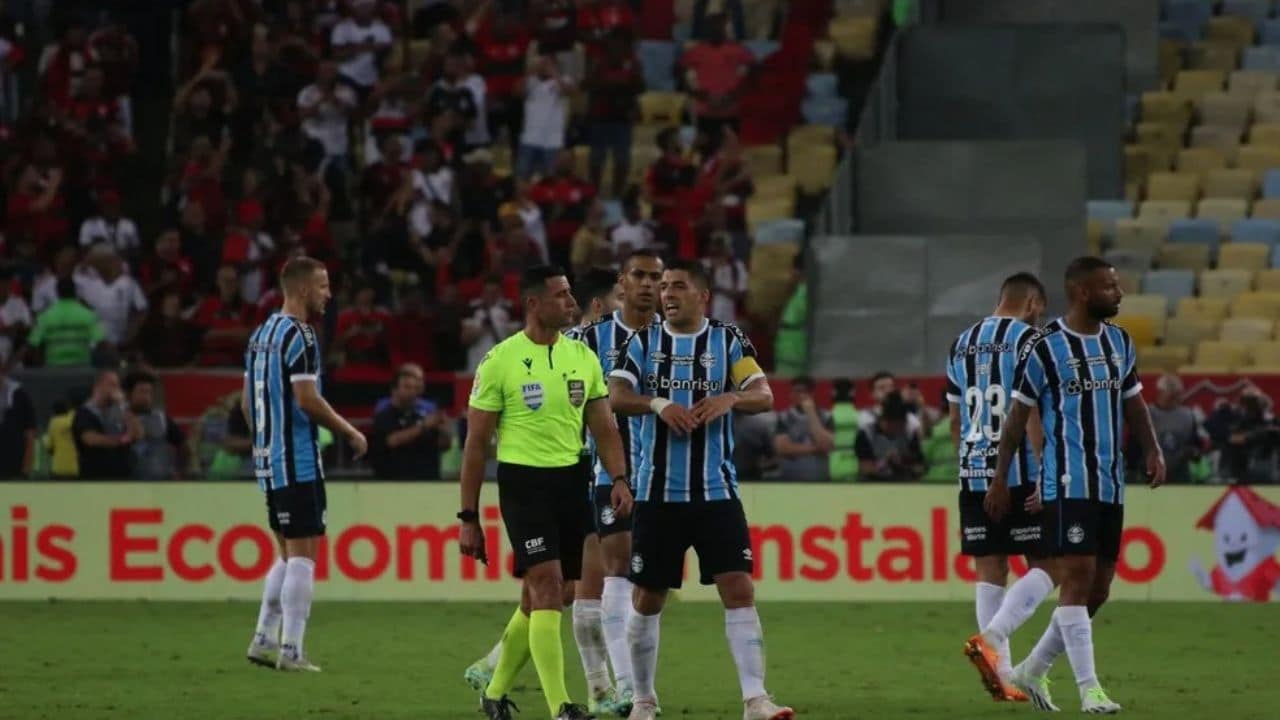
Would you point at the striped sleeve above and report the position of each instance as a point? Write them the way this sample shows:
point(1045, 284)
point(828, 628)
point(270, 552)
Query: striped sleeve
point(1132, 384)
point(630, 366)
point(744, 369)
point(302, 354)
point(953, 382)
point(1030, 378)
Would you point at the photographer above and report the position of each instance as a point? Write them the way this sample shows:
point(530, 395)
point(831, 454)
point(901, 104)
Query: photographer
point(887, 450)
point(1250, 441)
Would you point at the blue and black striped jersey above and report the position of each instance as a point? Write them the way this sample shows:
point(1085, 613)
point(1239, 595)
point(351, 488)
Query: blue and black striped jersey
point(1080, 383)
point(981, 371)
point(606, 338)
point(686, 368)
point(282, 351)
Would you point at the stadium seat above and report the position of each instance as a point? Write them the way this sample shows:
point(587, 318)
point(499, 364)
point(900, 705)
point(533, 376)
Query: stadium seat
point(803, 136)
point(1253, 230)
point(1261, 58)
point(1256, 304)
point(761, 210)
point(1172, 284)
point(1163, 358)
point(1130, 284)
point(1160, 134)
point(1246, 329)
point(1164, 209)
point(1108, 210)
point(1142, 160)
point(1224, 183)
point(1200, 160)
point(1251, 82)
point(1224, 140)
point(1220, 353)
point(1211, 55)
point(785, 230)
point(1189, 331)
point(1184, 256)
point(776, 185)
point(1266, 133)
point(763, 159)
point(1179, 186)
point(1202, 231)
point(821, 84)
point(1271, 32)
point(1225, 109)
point(1134, 262)
point(1156, 306)
point(813, 167)
point(1264, 354)
point(1271, 184)
point(1266, 208)
point(1266, 107)
point(1190, 15)
point(1165, 107)
point(1259, 158)
point(1225, 283)
point(658, 63)
point(855, 37)
point(1267, 280)
point(1255, 11)
point(1237, 31)
point(1144, 330)
point(1224, 210)
point(1243, 256)
point(661, 107)
point(1203, 306)
point(825, 111)
point(1194, 84)
point(1275, 257)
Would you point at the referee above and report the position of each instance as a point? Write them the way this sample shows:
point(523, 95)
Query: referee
point(535, 389)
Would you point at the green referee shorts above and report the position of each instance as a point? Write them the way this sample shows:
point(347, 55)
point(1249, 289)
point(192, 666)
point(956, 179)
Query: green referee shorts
point(543, 510)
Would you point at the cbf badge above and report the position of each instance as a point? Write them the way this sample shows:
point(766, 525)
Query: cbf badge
point(577, 392)
point(532, 393)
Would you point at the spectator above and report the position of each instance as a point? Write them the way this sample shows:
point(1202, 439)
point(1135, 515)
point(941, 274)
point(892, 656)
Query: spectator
point(502, 44)
point(667, 187)
point(546, 105)
point(362, 337)
point(160, 447)
point(600, 20)
point(409, 432)
point(490, 323)
point(111, 228)
point(555, 22)
point(412, 332)
point(59, 441)
point(716, 73)
point(197, 114)
point(614, 80)
point(105, 431)
point(44, 291)
point(703, 17)
point(167, 338)
point(791, 348)
point(114, 296)
point(233, 457)
point(326, 107)
point(843, 460)
point(728, 278)
point(591, 247)
point(804, 437)
point(15, 319)
point(888, 450)
point(248, 248)
point(633, 232)
point(1177, 428)
point(97, 119)
point(753, 446)
point(36, 209)
point(455, 93)
point(62, 64)
point(358, 43)
point(563, 199)
point(67, 333)
point(1249, 450)
point(450, 317)
point(725, 181)
point(17, 428)
point(224, 321)
point(168, 268)
point(884, 384)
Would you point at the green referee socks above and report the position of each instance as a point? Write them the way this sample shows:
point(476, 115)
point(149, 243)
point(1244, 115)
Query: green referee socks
point(548, 656)
point(515, 653)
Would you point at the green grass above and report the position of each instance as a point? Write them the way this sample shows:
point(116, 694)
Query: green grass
point(82, 661)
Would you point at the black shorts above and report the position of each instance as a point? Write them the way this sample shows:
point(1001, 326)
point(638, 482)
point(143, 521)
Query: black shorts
point(605, 522)
point(1084, 527)
point(543, 511)
point(298, 510)
point(662, 532)
point(1018, 532)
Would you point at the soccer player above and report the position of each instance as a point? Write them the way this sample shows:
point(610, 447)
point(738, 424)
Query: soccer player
point(536, 389)
point(981, 370)
point(282, 404)
point(1081, 372)
point(694, 373)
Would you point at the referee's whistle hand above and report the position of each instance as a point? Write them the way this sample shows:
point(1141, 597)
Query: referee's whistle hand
point(621, 500)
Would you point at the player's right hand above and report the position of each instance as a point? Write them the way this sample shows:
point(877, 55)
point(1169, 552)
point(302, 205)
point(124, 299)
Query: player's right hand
point(359, 444)
point(996, 502)
point(1033, 504)
point(471, 541)
point(679, 418)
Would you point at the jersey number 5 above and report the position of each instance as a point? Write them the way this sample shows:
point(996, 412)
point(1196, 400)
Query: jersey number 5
point(993, 400)
point(259, 408)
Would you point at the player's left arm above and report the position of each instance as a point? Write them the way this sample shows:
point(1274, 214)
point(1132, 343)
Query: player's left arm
point(1138, 416)
point(752, 393)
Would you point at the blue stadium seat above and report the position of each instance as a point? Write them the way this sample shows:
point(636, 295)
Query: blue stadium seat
point(658, 59)
point(1271, 32)
point(1196, 230)
point(1189, 15)
point(1275, 257)
point(1109, 210)
point(1173, 284)
point(762, 48)
point(1271, 184)
point(1265, 57)
point(1252, 10)
point(1130, 262)
point(1178, 33)
point(825, 111)
point(780, 231)
point(822, 85)
point(1256, 230)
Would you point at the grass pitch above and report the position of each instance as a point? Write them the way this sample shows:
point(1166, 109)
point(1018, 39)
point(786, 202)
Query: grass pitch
point(99, 661)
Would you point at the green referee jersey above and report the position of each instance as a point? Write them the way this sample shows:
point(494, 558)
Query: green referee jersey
point(540, 392)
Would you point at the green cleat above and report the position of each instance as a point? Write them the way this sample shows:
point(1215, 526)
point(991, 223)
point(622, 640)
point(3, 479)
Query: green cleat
point(1096, 702)
point(478, 675)
point(611, 702)
point(1035, 688)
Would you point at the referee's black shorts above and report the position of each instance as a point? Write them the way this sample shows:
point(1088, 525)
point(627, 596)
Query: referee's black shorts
point(543, 511)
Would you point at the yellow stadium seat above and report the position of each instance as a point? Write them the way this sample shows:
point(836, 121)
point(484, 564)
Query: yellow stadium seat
point(641, 159)
point(1240, 184)
point(1251, 82)
point(1189, 331)
point(1265, 354)
point(1165, 107)
point(1213, 55)
point(1256, 304)
point(855, 37)
point(1093, 232)
point(805, 135)
point(1259, 158)
point(1165, 209)
point(1224, 210)
point(1265, 134)
point(1246, 329)
point(1267, 280)
point(1142, 160)
point(763, 159)
point(1244, 256)
point(763, 210)
point(1163, 358)
point(1194, 84)
point(1169, 60)
point(1184, 256)
point(1224, 109)
point(1236, 31)
point(824, 54)
point(1161, 134)
point(661, 107)
point(1222, 353)
point(1200, 160)
point(1225, 283)
point(1144, 330)
point(1267, 209)
point(775, 186)
point(1173, 186)
point(814, 167)
point(1266, 106)
point(1129, 282)
point(1142, 235)
point(1224, 140)
point(1153, 306)
point(1209, 306)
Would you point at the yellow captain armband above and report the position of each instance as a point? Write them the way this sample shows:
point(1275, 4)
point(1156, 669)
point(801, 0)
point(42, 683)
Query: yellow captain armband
point(745, 371)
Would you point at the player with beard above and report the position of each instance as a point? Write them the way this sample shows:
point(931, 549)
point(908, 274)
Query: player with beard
point(1081, 372)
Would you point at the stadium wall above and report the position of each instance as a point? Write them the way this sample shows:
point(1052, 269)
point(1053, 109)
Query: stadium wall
point(399, 542)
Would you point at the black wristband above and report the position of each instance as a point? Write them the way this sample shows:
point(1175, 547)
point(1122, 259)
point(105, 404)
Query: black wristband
point(622, 479)
point(468, 516)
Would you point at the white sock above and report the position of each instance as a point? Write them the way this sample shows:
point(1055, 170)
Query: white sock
point(590, 638)
point(615, 606)
point(1020, 603)
point(746, 643)
point(642, 636)
point(1077, 635)
point(988, 598)
point(295, 597)
point(268, 632)
point(1046, 651)
point(491, 660)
